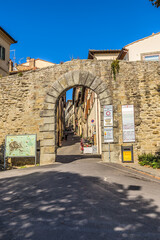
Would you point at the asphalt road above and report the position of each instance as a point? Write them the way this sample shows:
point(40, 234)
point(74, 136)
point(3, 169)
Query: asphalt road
point(81, 199)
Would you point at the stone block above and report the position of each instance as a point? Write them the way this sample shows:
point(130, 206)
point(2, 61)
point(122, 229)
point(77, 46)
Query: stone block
point(56, 85)
point(76, 75)
point(47, 158)
point(63, 82)
point(48, 150)
point(47, 142)
point(50, 99)
point(49, 120)
point(97, 81)
point(49, 106)
point(105, 101)
point(101, 88)
point(103, 95)
point(83, 77)
point(47, 113)
point(89, 80)
point(68, 76)
point(47, 127)
point(53, 92)
point(49, 135)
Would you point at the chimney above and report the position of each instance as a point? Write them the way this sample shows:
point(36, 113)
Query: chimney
point(28, 59)
point(10, 65)
point(32, 63)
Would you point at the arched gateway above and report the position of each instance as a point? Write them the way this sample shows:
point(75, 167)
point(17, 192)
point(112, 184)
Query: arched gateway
point(66, 81)
point(28, 104)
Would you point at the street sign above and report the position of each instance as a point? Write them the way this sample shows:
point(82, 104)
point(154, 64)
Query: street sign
point(108, 134)
point(108, 116)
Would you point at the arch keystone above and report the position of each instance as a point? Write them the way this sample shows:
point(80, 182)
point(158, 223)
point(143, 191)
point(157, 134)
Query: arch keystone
point(68, 76)
point(82, 77)
point(76, 77)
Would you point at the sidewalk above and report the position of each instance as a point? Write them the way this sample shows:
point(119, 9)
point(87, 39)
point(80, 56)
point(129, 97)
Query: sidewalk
point(143, 169)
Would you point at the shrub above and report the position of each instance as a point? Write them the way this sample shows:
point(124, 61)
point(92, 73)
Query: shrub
point(149, 160)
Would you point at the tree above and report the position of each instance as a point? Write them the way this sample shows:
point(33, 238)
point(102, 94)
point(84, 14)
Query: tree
point(155, 3)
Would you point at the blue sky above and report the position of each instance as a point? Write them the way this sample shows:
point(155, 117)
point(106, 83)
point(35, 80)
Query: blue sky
point(59, 30)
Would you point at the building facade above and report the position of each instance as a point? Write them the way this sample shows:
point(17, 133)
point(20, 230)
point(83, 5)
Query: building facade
point(5, 41)
point(145, 49)
point(103, 54)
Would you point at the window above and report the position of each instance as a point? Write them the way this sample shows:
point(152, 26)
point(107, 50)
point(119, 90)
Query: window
point(2, 53)
point(152, 57)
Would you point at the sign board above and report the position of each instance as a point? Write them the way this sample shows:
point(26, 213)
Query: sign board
point(108, 115)
point(128, 123)
point(108, 134)
point(20, 146)
point(127, 154)
point(87, 150)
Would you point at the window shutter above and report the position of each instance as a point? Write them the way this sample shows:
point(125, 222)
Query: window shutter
point(3, 53)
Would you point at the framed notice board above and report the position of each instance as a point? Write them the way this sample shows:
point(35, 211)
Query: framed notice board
point(20, 146)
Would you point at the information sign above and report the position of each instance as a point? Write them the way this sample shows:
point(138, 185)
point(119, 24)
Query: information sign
point(128, 123)
point(20, 146)
point(108, 134)
point(108, 115)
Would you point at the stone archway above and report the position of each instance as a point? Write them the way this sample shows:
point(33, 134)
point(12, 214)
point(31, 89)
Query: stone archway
point(66, 81)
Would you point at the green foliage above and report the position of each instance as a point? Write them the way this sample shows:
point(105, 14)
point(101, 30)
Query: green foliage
point(20, 74)
point(155, 3)
point(115, 68)
point(149, 160)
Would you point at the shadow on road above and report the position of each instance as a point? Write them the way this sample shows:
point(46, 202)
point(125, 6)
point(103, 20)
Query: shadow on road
point(72, 158)
point(57, 205)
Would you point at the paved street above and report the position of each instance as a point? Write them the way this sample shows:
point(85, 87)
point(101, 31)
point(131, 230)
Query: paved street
point(81, 198)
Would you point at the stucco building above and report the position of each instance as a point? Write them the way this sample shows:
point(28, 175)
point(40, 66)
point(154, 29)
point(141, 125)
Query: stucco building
point(145, 49)
point(32, 63)
point(103, 54)
point(5, 41)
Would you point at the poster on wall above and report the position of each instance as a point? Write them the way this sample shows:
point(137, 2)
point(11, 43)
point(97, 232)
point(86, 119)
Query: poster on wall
point(108, 115)
point(128, 123)
point(108, 134)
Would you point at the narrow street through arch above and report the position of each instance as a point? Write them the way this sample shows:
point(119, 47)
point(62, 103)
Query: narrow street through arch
point(78, 129)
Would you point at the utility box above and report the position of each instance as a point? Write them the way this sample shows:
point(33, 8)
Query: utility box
point(127, 154)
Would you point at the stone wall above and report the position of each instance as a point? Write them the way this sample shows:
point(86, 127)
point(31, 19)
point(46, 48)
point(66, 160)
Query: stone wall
point(27, 102)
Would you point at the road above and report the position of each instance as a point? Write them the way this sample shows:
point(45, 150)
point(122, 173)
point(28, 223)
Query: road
point(81, 198)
